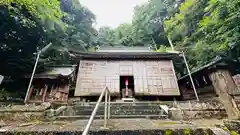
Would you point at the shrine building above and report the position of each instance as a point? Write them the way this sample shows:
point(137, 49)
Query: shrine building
point(128, 72)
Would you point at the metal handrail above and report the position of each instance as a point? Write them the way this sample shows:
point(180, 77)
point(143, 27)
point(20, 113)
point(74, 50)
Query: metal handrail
point(105, 92)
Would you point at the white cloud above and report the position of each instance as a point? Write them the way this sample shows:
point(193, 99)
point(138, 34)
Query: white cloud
point(112, 12)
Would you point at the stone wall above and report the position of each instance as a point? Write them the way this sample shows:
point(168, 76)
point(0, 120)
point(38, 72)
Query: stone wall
point(26, 112)
point(21, 116)
point(199, 110)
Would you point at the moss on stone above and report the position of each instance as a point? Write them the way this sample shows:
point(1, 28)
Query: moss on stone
point(187, 131)
point(205, 132)
point(234, 133)
point(168, 132)
point(166, 123)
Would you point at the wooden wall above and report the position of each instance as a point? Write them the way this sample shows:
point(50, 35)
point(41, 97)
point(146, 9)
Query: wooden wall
point(150, 77)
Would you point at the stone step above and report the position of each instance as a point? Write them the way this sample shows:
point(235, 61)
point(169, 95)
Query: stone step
point(126, 103)
point(120, 110)
point(117, 108)
point(77, 117)
point(114, 112)
point(117, 105)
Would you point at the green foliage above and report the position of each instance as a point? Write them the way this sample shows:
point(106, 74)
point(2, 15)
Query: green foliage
point(44, 11)
point(201, 28)
point(3, 94)
point(106, 36)
point(163, 48)
point(78, 36)
point(26, 26)
point(186, 131)
point(205, 29)
point(168, 132)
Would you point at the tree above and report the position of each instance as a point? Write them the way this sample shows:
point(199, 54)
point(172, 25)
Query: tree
point(78, 36)
point(106, 36)
point(206, 28)
point(148, 21)
point(25, 27)
point(146, 28)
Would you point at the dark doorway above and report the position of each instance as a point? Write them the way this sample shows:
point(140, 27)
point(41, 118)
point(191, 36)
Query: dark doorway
point(130, 80)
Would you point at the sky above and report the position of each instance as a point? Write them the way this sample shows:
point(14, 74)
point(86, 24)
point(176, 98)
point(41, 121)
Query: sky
point(112, 12)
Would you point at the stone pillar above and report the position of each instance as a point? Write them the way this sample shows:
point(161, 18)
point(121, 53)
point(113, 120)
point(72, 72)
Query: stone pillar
point(130, 93)
point(223, 83)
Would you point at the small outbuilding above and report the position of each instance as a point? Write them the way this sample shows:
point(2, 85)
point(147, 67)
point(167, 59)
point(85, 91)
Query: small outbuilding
point(214, 80)
point(52, 85)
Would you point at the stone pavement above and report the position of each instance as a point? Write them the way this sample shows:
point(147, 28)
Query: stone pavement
point(128, 124)
point(118, 125)
point(113, 124)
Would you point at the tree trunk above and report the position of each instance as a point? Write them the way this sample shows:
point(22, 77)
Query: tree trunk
point(223, 84)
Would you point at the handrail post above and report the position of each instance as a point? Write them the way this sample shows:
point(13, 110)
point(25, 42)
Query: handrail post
point(105, 109)
point(85, 132)
point(109, 100)
point(107, 93)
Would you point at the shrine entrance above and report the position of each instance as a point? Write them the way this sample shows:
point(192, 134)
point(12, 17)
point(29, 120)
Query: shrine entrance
point(127, 87)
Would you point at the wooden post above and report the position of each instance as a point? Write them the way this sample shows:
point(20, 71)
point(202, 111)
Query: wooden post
point(223, 83)
point(44, 93)
point(66, 89)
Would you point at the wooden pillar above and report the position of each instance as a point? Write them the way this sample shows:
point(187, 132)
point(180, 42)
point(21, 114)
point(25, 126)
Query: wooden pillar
point(44, 93)
point(223, 84)
point(184, 92)
point(67, 88)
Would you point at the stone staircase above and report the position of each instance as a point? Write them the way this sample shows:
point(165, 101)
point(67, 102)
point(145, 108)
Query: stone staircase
point(126, 118)
point(125, 110)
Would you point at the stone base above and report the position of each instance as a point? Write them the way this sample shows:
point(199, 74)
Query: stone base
point(128, 99)
point(175, 114)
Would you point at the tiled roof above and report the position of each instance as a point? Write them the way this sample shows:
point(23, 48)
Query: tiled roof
point(54, 72)
point(61, 71)
point(126, 55)
point(216, 62)
point(123, 49)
